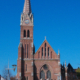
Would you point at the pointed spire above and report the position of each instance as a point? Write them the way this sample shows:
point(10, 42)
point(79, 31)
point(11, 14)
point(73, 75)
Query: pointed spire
point(27, 7)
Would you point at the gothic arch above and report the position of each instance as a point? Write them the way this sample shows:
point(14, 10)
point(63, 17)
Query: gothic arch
point(50, 67)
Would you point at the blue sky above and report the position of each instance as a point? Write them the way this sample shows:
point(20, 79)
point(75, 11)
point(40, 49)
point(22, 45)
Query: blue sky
point(58, 20)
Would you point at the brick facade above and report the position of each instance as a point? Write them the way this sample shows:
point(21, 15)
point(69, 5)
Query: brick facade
point(45, 63)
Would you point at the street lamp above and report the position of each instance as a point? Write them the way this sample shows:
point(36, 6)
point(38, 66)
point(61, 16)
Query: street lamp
point(14, 67)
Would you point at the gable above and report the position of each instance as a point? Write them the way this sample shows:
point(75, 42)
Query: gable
point(46, 52)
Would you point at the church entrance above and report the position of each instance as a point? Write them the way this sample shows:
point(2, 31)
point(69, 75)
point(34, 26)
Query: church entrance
point(45, 73)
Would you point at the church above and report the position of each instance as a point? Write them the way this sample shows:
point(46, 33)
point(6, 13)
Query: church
point(42, 65)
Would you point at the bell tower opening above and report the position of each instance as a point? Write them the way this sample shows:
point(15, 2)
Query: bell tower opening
point(28, 33)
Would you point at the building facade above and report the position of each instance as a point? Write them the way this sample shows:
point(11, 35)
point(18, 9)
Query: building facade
point(42, 65)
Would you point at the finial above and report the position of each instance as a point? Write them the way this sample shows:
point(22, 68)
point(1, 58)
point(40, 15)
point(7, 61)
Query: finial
point(58, 52)
point(45, 37)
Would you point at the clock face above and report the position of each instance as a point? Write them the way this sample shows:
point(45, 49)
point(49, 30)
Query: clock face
point(26, 21)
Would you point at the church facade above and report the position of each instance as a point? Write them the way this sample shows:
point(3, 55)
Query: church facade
point(42, 65)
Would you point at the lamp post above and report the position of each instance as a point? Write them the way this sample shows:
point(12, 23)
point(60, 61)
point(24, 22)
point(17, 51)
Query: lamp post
point(14, 67)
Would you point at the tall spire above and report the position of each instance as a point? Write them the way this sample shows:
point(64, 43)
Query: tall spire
point(27, 7)
point(27, 14)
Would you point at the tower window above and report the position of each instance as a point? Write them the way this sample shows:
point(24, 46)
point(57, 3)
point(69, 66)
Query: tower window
point(27, 78)
point(48, 51)
point(45, 49)
point(28, 33)
point(27, 50)
point(26, 67)
point(24, 33)
point(42, 51)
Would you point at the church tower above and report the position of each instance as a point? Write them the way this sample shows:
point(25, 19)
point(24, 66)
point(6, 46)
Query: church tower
point(25, 48)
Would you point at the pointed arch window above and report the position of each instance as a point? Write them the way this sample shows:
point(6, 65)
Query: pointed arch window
point(28, 33)
point(27, 78)
point(45, 49)
point(48, 51)
point(48, 75)
point(27, 50)
point(42, 75)
point(26, 67)
point(24, 33)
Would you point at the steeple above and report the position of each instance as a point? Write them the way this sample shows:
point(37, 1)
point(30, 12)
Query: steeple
point(27, 16)
point(27, 7)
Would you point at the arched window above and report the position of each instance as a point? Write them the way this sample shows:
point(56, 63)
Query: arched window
point(48, 51)
point(48, 75)
point(27, 78)
point(28, 33)
point(45, 49)
point(42, 75)
point(24, 33)
point(27, 50)
point(42, 51)
point(24, 78)
point(26, 67)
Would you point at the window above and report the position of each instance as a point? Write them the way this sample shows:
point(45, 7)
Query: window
point(42, 51)
point(45, 49)
point(48, 51)
point(48, 74)
point(26, 67)
point(42, 75)
point(24, 78)
point(24, 33)
point(27, 78)
point(28, 33)
point(27, 50)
